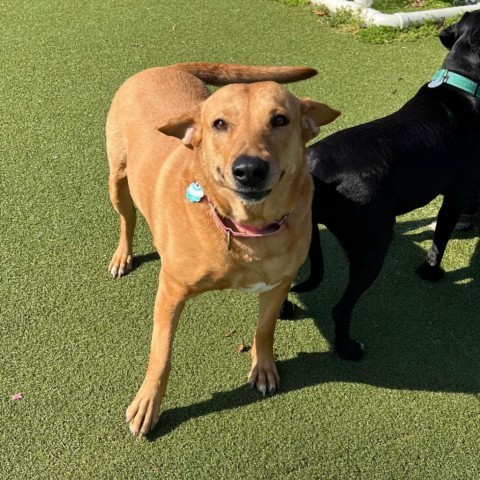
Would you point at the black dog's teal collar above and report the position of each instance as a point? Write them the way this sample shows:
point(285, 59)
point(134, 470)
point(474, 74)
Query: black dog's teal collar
point(456, 80)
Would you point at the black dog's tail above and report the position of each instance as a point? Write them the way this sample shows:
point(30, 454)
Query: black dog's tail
point(316, 264)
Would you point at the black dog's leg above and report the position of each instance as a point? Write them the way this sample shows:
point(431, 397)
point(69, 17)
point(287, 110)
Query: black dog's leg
point(365, 265)
point(316, 273)
point(287, 310)
point(447, 219)
point(316, 264)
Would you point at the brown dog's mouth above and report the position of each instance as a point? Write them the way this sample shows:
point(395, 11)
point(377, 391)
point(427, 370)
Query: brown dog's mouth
point(243, 230)
point(252, 196)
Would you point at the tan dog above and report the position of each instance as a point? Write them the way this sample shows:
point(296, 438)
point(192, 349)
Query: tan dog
point(244, 146)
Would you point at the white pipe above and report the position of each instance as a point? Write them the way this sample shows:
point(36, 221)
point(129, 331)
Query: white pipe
point(396, 20)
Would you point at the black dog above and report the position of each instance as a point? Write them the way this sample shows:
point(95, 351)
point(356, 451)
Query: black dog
point(367, 175)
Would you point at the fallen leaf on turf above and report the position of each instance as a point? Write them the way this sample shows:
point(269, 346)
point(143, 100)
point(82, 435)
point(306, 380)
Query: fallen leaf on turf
point(17, 396)
point(243, 347)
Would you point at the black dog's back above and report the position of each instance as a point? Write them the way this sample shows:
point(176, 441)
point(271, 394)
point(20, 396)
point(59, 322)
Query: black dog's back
point(367, 175)
point(407, 158)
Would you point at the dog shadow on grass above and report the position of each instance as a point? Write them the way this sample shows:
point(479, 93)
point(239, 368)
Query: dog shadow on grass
point(139, 260)
point(419, 336)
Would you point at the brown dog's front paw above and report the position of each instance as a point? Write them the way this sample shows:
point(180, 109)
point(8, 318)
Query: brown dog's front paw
point(144, 412)
point(264, 377)
point(121, 263)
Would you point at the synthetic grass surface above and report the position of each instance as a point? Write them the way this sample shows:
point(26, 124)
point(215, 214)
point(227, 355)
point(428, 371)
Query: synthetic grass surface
point(75, 342)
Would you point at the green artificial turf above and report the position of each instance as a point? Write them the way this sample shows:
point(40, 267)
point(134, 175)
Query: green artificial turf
point(75, 342)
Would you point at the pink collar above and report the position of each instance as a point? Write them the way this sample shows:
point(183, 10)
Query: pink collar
point(234, 229)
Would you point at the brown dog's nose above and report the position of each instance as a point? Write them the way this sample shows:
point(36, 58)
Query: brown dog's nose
point(250, 171)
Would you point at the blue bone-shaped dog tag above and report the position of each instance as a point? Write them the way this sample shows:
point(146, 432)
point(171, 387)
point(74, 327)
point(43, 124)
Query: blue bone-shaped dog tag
point(438, 79)
point(436, 83)
point(195, 192)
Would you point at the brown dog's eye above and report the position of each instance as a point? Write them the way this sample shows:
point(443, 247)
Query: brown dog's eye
point(279, 121)
point(220, 124)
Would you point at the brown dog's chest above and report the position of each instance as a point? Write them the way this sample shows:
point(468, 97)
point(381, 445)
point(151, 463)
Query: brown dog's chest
point(198, 256)
point(254, 275)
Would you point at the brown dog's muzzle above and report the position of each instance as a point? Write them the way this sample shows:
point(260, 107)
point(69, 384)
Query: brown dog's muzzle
point(250, 175)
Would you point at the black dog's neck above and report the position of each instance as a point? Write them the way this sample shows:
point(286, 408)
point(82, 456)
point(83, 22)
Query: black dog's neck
point(465, 64)
point(465, 71)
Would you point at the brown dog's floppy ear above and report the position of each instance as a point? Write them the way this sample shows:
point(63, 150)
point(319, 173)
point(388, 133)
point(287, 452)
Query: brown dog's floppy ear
point(185, 128)
point(314, 115)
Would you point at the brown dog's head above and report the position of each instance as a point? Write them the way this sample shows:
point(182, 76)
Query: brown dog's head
point(251, 142)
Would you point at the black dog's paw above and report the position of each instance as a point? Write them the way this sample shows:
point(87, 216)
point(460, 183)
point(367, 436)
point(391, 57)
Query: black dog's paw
point(306, 286)
point(349, 349)
point(432, 274)
point(287, 310)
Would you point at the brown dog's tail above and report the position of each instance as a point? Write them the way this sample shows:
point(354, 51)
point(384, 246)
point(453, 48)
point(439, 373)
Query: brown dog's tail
point(219, 74)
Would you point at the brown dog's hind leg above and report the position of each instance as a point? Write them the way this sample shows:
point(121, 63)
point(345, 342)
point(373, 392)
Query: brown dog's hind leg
point(121, 262)
point(263, 374)
point(121, 199)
